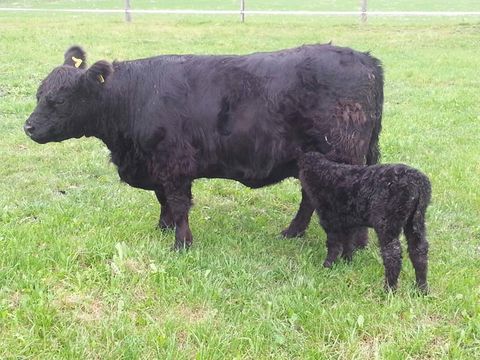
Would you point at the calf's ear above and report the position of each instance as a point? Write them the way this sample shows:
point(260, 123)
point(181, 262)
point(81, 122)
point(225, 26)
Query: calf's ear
point(75, 56)
point(99, 72)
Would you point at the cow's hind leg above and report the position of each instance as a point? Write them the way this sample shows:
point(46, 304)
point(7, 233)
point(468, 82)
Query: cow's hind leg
point(166, 218)
point(300, 222)
point(391, 253)
point(418, 251)
point(179, 199)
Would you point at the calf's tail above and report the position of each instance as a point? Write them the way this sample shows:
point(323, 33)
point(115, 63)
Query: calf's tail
point(417, 220)
point(415, 233)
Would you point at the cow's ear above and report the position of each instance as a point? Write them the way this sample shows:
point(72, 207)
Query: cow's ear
point(75, 56)
point(99, 72)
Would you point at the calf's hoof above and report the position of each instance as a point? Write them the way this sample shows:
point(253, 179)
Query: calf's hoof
point(391, 288)
point(423, 288)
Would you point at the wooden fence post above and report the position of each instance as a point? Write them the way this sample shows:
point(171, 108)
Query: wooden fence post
point(128, 15)
point(364, 10)
point(242, 9)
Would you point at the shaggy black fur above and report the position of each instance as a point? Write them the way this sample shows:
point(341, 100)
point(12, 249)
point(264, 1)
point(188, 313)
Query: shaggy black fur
point(388, 198)
point(168, 120)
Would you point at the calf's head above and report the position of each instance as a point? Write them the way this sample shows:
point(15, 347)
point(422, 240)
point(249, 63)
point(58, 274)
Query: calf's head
point(68, 99)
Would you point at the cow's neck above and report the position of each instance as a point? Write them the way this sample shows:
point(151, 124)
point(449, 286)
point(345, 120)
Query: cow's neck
point(112, 125)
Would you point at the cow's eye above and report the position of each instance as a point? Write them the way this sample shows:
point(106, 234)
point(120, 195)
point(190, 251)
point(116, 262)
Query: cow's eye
point(60, 101)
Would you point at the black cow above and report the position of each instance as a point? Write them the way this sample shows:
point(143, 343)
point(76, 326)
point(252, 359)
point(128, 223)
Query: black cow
point(168, 120)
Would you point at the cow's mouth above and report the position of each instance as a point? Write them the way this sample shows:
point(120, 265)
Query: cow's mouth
point(40, 137)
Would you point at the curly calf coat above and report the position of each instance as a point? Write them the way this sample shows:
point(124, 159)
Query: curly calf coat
point(388, 198)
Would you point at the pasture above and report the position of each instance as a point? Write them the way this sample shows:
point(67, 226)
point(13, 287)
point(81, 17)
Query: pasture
point(84, 273)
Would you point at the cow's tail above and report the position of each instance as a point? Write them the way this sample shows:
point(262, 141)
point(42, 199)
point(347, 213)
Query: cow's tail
point(373, 154)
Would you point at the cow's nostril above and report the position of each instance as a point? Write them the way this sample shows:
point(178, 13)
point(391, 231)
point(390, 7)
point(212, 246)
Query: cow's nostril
point(28, 129)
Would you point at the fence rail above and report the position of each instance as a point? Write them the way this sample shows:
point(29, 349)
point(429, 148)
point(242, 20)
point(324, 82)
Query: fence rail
point(254, 12)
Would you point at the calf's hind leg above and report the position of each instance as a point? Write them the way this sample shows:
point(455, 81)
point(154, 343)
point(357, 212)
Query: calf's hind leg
point(418, 251)
point(391, 254)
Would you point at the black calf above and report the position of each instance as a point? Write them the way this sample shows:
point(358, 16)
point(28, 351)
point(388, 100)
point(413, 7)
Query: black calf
point(388, 198)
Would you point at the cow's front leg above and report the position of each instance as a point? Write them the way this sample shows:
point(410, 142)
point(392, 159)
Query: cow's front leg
point(179, 199)
point(166, 218)
point(300, 222)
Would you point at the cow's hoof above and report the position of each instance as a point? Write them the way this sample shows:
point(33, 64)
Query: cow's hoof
point(327, 264)
point(166, 221)
point(181, 245)
point(162, 225)
point(292, 233)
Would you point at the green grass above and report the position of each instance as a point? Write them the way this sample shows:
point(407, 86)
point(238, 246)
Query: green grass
point(85, 274)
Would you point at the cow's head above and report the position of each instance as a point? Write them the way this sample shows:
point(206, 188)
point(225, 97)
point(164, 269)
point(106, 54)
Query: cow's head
point(67, 99)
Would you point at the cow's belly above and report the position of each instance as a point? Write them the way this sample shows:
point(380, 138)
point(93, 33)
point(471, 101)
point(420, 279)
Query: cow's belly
point(252, 178)
point(278, 174)
point(137, 179)
point(142, 180)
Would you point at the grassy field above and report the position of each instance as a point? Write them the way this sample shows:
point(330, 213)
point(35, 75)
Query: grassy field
point(85, 274)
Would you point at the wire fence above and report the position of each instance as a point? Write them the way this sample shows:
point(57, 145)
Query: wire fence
point(362, 13)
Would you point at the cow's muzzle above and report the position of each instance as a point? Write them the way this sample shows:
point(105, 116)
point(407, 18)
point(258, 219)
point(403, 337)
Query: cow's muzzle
point(28, 129)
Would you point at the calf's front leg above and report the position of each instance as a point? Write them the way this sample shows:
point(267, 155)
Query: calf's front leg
point(348, 245)
point(179, 200)
point(334, 247)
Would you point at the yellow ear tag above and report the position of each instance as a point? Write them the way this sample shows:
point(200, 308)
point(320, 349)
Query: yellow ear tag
point(101, 79)
point(77, 62)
